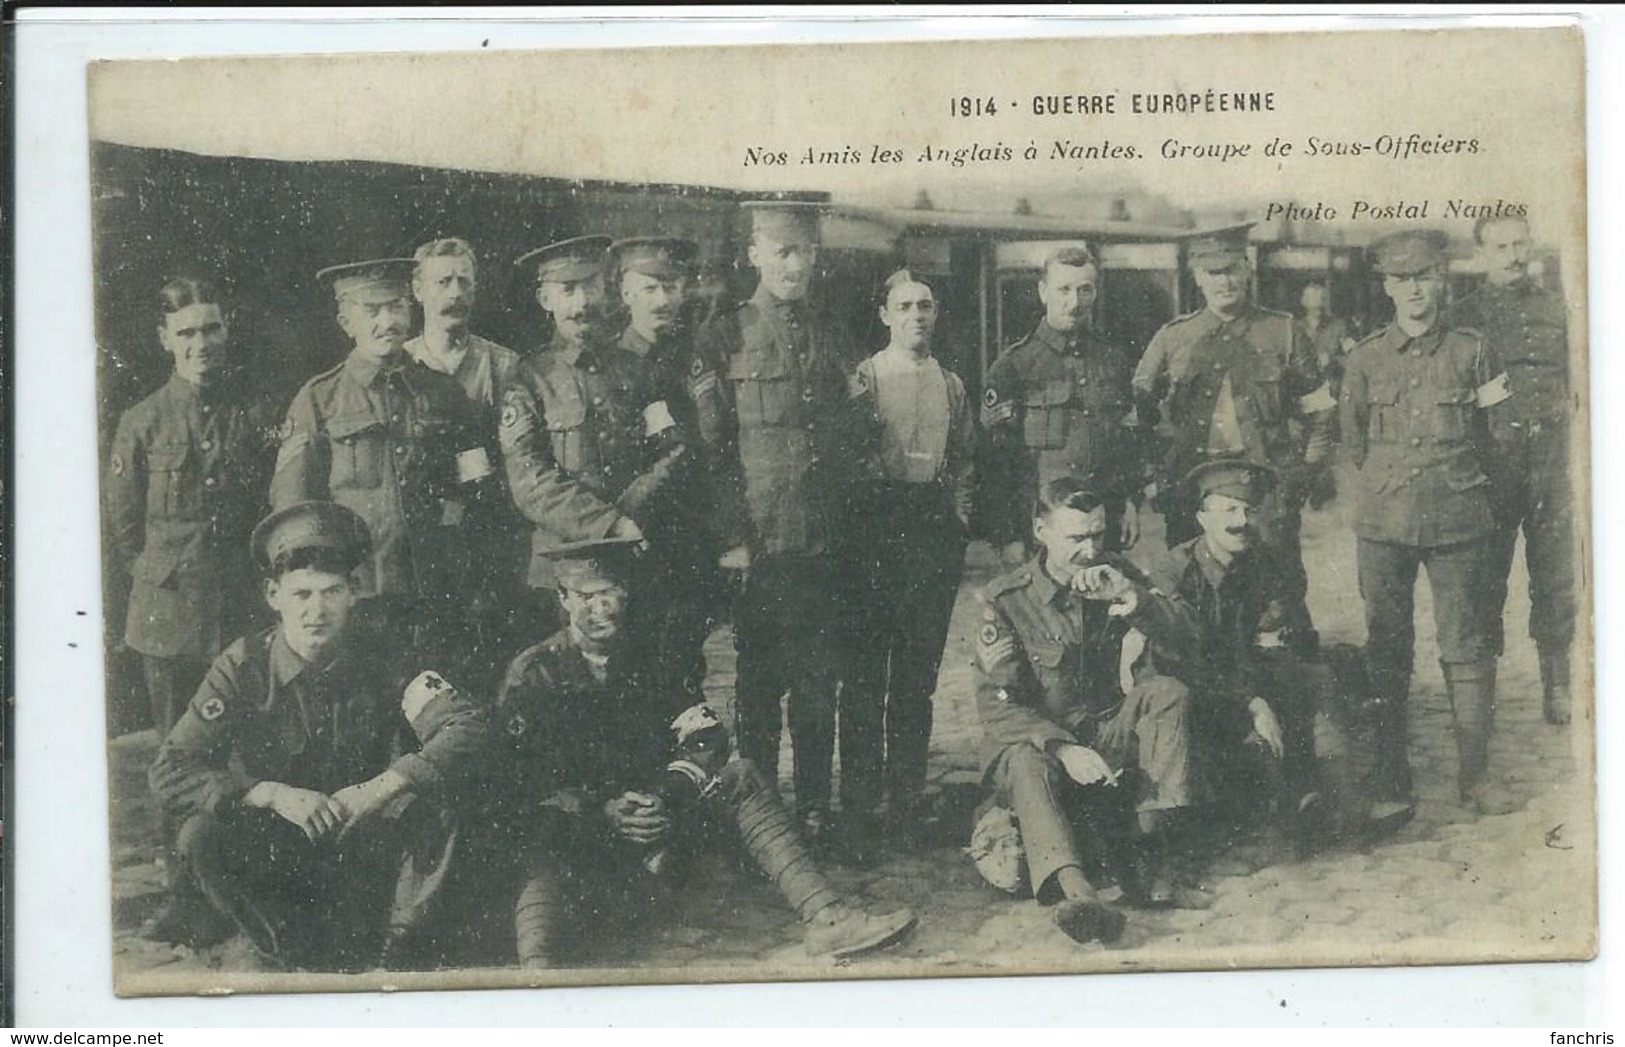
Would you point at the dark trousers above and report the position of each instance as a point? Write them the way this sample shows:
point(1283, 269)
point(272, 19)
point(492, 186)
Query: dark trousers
point(788, 637)
point(678, 593)
point(902, 597)
point(1533, 494)
point(325, 905)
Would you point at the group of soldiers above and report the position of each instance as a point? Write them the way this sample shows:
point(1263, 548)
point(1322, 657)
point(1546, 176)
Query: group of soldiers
point(478, 716)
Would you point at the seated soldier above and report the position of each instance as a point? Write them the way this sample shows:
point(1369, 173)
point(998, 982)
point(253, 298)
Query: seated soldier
point(306, 780)
point(608, 781)
point(1083, 767)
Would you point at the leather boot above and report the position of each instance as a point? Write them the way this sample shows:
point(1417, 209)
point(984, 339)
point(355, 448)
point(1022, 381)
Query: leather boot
point(1555, 699)
point(1391, 765)
point(1472, 699)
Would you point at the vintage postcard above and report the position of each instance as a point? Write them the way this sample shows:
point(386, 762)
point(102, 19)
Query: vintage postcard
point(689, 514)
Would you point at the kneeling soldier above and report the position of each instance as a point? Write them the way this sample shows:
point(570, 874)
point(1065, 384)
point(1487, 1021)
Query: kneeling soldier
point(304, 776)
point(595, 760)
point(1058, 730)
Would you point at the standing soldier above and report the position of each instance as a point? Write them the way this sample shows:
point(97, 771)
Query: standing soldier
point(445, 283)
point(1230, 379)
point(186, 483)
point(1527, 327)
point(1058, 404)
point(590, 450)
point(681, 582)
point(397, 443)
point(1333, 338)
point(769, 389)
point(910, 522)
point(1421, 405)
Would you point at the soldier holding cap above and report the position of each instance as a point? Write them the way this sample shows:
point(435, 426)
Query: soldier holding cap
point(909, 525)
point(305, 764)
point(397, 443)
point(1230, 380)
point(186, 483)
point(591, 451)
point(768, 383)
point(1527, 326)
point(1090, 762)
point(1421, 407)
point(610, 781)
point(1058, 403)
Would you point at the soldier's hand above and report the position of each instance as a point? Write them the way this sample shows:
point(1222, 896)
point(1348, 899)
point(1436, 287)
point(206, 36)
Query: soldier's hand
point(638, 817)
point(1085, 766)
point(1129, 533)
point(735, 559)
point(1266, 726)
point(316, 814)
point(1106, 583)
point(365, 799)
point(1116, 734)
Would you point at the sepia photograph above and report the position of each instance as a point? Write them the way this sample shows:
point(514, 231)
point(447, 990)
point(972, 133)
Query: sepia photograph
point(841, 511)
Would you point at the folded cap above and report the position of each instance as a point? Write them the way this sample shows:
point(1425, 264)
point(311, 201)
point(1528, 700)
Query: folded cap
point(1409, 251)
point(1218, 248)
point(785, 220)
point(567, 260)
point(376, 280)
point(662, 257)
point(1235, 478)
point(311, 525)
point(607, 559)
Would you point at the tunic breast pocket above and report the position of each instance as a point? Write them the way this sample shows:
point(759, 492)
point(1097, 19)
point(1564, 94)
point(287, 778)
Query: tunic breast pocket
point(566, 418)
point(358, 447)
point(1044, 413)
point(172, 493)
point(765, 394)
point(1452, 414)
point(1387, 422)
point(1264, 383)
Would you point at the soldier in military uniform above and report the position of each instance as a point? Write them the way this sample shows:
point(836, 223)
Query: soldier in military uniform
point(1333, 338)
point(770, 398)
point(610, 782)
point(398, 443)
point(590, 449)
point(1527, 327)
point(303, 771)
point(909, 520)
point(445, 284)
point(681, 583)
point(186, 483)
point(1229, 380)
point(1058, 403)
point(1085, 764)
point(1421, 407)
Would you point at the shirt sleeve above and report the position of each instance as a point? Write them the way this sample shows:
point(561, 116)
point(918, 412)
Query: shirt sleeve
point(960, 464)
point(1006, 692)
point(1312, 394)
point(194, 771)
point(1354, 410)
point(453, 732)
point(547, 495)
point(711, 403)
point(302, 461)
point(127, 492)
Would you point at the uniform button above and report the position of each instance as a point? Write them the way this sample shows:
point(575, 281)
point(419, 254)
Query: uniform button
point(1086, 412)
point(399, 449)
point(1083, 381)
point(598, 401)
point(756, 374)
point(1416, 472)
point(1415, 382)
point(592, 369)
point(396, 417)
point(807, 394)
point(813, 459)
point(607, 470)
point(401, 480)
point(1416, 441)
point(206, 444)
point(208, 481)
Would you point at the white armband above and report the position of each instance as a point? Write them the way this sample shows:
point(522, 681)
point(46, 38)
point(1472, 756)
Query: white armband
point(1317, 401)
point(1495, 391)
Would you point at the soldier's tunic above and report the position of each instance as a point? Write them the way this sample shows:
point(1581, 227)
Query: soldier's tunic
point(1231, 388)
point(1048, 673)
point(1057, 404)
point(185, 486)
point(395, 442)
point(770, 400)
point(1528, 329)
point(482, 367)
point(577, 738)
point(908, 522)
point(265, 714)
point(1414, 422)
point(1225, 663)
point(572, 433)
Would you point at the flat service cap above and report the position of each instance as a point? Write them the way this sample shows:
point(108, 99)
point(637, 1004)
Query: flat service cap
point(662, 257)
point(606, 559)
point(575, 259)
point(1409, 251)
point(377, 280)
point(311, 525)
point(1234, 478)
point(785, 220)
point(1218, 248)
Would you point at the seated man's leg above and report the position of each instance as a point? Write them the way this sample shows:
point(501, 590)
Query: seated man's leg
point(769, 836)
point(1157, 713)
point(1033, 785)
point(551, 906)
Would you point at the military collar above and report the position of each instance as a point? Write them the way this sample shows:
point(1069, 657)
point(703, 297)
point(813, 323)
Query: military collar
point(1061, 342)
point(770, 302)
point(1395, 339)
point(633, 342)
point(1214, 571)
point(288, 665)
point(1525, 288)
point(576, 354)
point(1242, 320)
point(1046, 589)
point(458, 350)
point(366, 370)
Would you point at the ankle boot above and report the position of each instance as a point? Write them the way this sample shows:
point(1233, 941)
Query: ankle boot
point(1472, 699)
